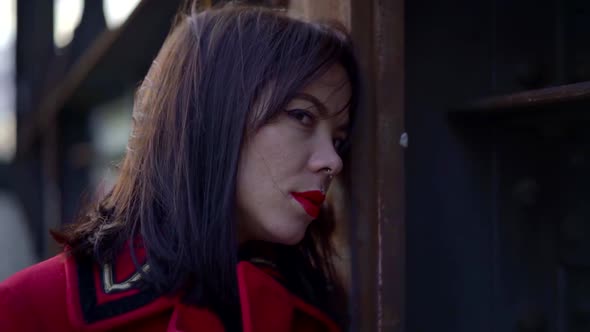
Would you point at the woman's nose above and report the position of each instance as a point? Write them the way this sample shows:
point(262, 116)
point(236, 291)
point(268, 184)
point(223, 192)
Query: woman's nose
point(326, 158)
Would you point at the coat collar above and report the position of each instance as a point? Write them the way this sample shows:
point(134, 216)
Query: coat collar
point(101, 298)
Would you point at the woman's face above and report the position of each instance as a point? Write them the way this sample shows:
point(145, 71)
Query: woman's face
point(287, 165)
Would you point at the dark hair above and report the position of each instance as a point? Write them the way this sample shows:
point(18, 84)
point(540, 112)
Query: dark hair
point(177, 182)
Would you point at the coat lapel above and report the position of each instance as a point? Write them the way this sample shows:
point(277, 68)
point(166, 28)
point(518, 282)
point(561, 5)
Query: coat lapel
point(99, 300)
point(267, 306)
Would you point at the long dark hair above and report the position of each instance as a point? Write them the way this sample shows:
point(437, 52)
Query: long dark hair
point(177, 182)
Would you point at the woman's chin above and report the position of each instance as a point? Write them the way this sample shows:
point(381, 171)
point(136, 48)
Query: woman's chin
point(290, 238)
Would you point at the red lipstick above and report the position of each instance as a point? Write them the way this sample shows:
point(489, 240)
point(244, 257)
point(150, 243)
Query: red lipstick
point(311, 201)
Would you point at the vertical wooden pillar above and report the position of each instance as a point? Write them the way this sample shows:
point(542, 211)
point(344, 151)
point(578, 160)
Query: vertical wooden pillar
point(390, 141)
point(378, 184)
point(363, 239)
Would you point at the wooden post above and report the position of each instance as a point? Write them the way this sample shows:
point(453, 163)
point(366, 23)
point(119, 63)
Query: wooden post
point(378, 186)
point(390, 144)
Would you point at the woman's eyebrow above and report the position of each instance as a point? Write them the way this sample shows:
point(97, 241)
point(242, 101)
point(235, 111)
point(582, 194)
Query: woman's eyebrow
point(321, 108)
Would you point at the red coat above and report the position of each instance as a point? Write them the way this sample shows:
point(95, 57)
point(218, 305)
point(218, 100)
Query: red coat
point(61, 295)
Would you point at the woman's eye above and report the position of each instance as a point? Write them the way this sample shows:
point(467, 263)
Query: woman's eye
point(338, 143)
point(304, 117)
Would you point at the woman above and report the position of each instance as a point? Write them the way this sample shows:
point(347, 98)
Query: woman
point(216, 222)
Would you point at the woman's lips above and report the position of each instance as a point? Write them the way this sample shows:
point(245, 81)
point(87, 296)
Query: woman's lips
point(311, 201)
